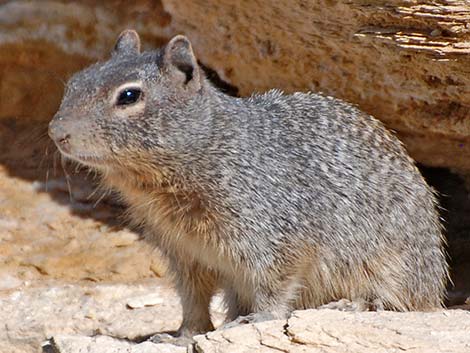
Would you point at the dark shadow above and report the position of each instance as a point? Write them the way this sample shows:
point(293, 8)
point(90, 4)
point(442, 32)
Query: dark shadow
point(140, 339)
point(454, 200)
point(26, 152)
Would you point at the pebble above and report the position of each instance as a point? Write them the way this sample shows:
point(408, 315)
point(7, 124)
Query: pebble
point(146, 300)
point(9, 282)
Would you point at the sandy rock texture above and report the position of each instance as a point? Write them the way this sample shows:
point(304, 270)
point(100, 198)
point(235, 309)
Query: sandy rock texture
point(43, 42)
point(46, 234)
point(100, 317)
point(404, 61)
point(340, 332)
point(101, 344)
point(33, 313)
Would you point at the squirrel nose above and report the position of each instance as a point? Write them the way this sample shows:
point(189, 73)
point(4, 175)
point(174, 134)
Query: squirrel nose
point(58, 134)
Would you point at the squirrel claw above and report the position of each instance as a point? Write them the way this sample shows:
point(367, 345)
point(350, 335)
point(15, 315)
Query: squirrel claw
point(354, 305)
point(182, 341)
point(249, 319)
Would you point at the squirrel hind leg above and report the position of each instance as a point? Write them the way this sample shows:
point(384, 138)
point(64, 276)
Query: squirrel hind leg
point(239, 311)
point(236, 306)
point(269, 301)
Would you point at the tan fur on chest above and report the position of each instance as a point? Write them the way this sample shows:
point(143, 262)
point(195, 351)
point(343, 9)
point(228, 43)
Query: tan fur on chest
point(176, 220)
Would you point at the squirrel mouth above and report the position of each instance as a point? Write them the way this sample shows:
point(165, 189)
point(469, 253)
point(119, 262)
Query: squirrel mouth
point(86, 159)
point(91, 161)
point(95, 159)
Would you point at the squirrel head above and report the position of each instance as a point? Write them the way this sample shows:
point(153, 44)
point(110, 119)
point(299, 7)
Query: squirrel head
point(134, 106)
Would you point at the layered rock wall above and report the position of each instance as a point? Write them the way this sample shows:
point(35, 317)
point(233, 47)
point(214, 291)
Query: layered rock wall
point(406, 62)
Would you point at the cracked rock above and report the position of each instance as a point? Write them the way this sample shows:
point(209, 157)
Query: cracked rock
point(104, 344)
point(341, 332)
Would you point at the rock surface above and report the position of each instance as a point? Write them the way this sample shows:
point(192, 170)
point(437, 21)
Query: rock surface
point(75, 318)
point(341, 332)
point(104, 344)
point(44, 42)
point(45, 234)
point(33, 313)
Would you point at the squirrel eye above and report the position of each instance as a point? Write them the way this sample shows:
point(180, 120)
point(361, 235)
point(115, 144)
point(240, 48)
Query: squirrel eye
point(129, 96)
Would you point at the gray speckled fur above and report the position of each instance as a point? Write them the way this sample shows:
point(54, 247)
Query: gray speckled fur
point(304, 199)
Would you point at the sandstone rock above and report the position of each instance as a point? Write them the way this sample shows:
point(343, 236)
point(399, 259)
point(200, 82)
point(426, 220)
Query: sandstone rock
point(44, 42)
point(313, 331)
point(405, 62)
point(76, 316)
point(9, 282)
point(338, 332)
point(441, 331)
point(46, 234)
point(33, 314)
point(103, 344)
point(146, 300)
point(262, 337)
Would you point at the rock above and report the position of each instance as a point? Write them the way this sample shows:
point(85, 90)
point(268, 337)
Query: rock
point(441, 331)
point(35, 314)
point(45, 234)
point(32, 314)
point(260, 337)
point(9, 282)
point(315, 331)
point(103, 344)
point(78, 316)
point(146, 300)
point(44, 42)
point(405, 63)
point(341, 332)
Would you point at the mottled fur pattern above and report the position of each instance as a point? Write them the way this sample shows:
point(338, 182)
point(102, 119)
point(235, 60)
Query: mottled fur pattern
point(283, 201)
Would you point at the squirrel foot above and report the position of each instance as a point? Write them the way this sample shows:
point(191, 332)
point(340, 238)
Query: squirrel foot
point(182, 341)
point(249, 319)
point(354, 305)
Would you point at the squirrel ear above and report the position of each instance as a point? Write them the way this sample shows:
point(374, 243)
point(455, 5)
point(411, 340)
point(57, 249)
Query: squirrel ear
point(179, 59)
point(127, 42)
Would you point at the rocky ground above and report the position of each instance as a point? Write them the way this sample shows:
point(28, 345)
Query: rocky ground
point(45, 234)
point(116, 318)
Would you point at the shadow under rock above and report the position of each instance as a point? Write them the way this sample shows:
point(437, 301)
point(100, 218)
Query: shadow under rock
point(26, 152)
point(454, 199)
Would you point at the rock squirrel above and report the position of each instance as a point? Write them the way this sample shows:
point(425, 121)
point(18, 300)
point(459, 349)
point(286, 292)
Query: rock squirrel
point(283, 201)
